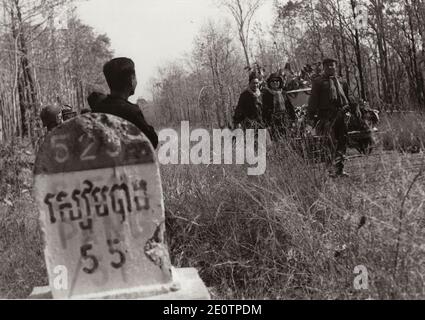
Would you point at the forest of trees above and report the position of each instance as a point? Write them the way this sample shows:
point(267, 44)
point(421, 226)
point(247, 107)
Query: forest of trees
point(47, 56)
point(378, 43)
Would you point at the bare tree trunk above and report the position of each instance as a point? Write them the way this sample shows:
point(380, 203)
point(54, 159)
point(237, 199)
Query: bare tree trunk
point(382, 49)
point(344, 47)
point(26, 87)
point(418, 79)
point(243, 12)
point(244, 43)
point(357, 50)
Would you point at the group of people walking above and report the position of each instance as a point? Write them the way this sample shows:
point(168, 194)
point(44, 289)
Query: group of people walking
point(258, 108)
point(330, 101)
point(265, 107)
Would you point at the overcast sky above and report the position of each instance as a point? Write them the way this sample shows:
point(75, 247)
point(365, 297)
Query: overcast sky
point(152, 32)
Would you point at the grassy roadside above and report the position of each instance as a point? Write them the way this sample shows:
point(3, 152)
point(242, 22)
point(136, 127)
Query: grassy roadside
point(289, 234)
point(21, 251)
point(293, 234)
point(403, 132)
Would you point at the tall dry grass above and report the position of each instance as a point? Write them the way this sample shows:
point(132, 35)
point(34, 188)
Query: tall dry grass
point(403, 132)
point(292, 233)
point(21, 252)
point(295, 234)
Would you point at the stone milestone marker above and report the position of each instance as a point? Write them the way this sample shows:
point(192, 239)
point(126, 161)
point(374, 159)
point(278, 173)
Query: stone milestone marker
point(98, 190)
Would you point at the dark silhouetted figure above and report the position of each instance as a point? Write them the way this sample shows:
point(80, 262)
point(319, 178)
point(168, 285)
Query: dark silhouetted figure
point(329, 102)
point(277, 114)
point(51, 116)
point(95, 98)
point(249, 109)
point(120, 75)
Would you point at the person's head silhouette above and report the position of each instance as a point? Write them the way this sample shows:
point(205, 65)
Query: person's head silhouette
point(120, 75)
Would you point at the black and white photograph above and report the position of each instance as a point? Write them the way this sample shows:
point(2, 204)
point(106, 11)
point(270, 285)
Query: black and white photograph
point(212, 150)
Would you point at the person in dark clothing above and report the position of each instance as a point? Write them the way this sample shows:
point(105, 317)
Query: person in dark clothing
point(329, 102)
point(121, 78)
point(95, 98)
point(51, 116)
point(277, 114)
point(248, 111)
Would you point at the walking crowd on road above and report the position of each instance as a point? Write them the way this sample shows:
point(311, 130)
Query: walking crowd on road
point(264, 104)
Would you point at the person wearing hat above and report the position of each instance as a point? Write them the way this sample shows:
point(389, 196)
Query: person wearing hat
point(120, 75)
point(328, 104)
point(277, 114)
point(249, 108)
point(51, 116)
